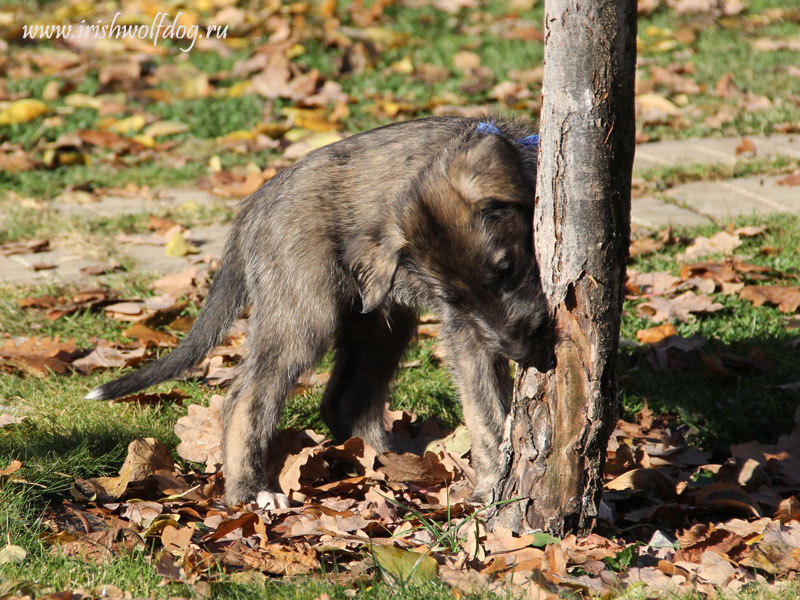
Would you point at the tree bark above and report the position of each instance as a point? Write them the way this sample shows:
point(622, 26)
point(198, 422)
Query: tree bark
point(565, 402)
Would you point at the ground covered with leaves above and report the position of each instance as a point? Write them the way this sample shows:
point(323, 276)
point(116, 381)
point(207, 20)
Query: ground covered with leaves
point(719, 514)
point(123, 499)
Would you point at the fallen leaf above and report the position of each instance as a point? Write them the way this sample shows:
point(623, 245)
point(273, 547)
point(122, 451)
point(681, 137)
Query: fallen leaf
point(107, 356)
point(746, 146)
point(792, 178)
point(128, 125)
point(410, 468)
point(645, 245)
point(786, 298)
point(404, 567)
point(150, 337)
point(24, 247)
point(681, 307)
point(145, 457)
point(719, 243)
point(654, 335)
point(38, 356)
point(178, 246)
point(652, 108)
point(200, 432)
point(23, 111)
point(7, 419)
point(162, 128)
point(674, 353)
point(11, 553)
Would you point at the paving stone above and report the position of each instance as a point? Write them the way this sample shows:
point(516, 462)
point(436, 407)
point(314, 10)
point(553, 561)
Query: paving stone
point(781, 198)
point(653, 213)
point(153, 259)
point(66, 266)
point(723, 200)
point(110, 206)
point(711, 151)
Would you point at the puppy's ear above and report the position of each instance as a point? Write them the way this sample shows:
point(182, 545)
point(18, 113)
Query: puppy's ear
point(374, 263)
point(490, 168)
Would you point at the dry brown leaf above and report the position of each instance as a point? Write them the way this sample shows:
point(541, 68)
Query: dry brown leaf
point(674, 353)
point(38, 356)
point(792, 178)
point(145, 457)
point(650, 480)
point(644, 246)
point(200, 432)
point(149, 399)
point(150, 337)
point(746, 146)
point(410, 468)
point(288, 558)
point(107, 356)
point(654, 335)
point(7, 419)
point(24, 247)
point(719, 243)
point(13, 467)
point(786, 298)
point(656, 283)
point(661, 309)
point(177, 284)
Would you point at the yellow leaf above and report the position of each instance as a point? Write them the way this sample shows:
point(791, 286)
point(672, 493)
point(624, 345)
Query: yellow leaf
point(51, 90)
point(657, 103)
point(239, 135)
point(295, 51)
point(144, 140)
point(83, 101)
point(314, 119)
point(404, 566)
point(160, 128)
point(23, 111)
point(178, 246)
point(215, 164)
point(128, 125)
point(404, 66)
point(238, 88)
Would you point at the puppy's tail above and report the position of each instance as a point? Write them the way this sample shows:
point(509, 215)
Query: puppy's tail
point(224, 304)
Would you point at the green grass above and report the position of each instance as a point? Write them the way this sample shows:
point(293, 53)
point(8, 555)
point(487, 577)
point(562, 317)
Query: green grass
point(741, 407)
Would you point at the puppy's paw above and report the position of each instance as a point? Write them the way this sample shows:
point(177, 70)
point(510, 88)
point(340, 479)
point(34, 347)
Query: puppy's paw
point(268, 500)
point(484, 488)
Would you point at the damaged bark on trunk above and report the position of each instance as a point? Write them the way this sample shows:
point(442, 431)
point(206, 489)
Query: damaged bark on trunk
point(565, 401)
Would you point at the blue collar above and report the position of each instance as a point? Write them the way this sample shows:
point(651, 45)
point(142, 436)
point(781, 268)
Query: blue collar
point(491, 129)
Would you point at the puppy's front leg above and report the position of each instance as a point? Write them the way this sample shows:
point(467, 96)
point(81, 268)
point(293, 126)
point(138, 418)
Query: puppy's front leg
point(484, 383)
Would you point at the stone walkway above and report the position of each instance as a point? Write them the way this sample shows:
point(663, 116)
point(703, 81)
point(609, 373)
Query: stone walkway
point(689, 204)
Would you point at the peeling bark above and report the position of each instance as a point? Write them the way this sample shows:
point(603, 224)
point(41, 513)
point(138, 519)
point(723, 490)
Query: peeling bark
point(565, 402)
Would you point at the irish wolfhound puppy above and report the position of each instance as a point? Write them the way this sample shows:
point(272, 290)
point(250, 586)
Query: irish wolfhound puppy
point(343, 248)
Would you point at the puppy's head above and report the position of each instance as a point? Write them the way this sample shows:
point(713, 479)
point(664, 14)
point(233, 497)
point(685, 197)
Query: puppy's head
point(469, 239)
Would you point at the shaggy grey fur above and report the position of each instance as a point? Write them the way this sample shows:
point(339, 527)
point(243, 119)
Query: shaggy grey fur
point(343, 248)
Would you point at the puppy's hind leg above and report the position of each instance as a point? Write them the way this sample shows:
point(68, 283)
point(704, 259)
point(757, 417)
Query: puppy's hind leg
point(368, 350)
point(252, 410)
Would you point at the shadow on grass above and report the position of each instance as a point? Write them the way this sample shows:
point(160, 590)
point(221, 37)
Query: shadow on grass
point(722, 401)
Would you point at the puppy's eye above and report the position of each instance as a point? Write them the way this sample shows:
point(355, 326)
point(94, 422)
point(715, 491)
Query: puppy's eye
point(504, 268)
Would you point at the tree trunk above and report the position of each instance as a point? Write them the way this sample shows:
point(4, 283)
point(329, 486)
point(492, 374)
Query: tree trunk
point(565, 402)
